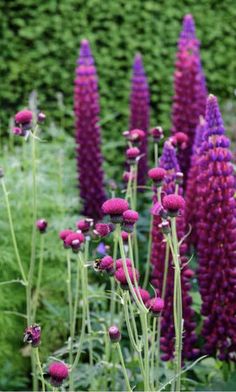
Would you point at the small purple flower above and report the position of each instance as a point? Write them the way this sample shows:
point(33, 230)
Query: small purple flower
point(41, 117)
point(32, 335)
point(114, 334)
point(42, 225)
point(58, 372)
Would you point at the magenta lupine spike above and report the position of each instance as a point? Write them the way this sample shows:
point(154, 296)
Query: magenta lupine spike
point(88, 138)
point(140, 112)
point(168, 161)
point(189, 90)
point(216, 231)
point(191, 196)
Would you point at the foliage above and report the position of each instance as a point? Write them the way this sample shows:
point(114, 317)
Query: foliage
point(40, 41)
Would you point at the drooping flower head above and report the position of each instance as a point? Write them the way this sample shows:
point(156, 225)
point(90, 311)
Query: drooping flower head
point(189, 91)
point(140, 111)
point(88, 138)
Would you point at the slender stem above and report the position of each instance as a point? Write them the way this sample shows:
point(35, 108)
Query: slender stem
point(156, 154)
point(40, 368)
point(148, 262)
point(153, 350)
point(133, 269)
point(143, 318)
point(113, 283)
point(18, 258)
point(70, 340)
point(39, 278)
point(88, 317)
point(133, 338)
point(123, 368)
point(76, 298)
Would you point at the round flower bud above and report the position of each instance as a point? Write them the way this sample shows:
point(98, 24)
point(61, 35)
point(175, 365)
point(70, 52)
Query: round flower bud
point(156, 305)
point(24, 117)
point(157, 175)
point(102, 229)
point(121, 277)
point(130, 217)
point(74, 241)
point(132, 154)
point(115, 208)
point(18, 131)
point(42, 225)
point(125, 236)
point(157, 134)
point(179, 178)
point(173, 203)
point(114, 334)
point(41, 117)
point(180, 140)
point(32, 335)
point(58, 372)
point(84, 225)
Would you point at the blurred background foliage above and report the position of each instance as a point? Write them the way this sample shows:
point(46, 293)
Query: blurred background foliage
point(40, 41)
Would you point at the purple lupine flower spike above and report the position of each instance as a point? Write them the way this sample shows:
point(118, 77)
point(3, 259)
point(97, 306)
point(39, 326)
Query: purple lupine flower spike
point(216, 230)
point(169, 162)
point(140, 112)
point(88, 138)
point(189, 91)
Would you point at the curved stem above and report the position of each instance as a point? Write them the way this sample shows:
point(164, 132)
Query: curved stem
point(17, 254)
point(123, 368)
point(70, 340)
point(40, 368)
point(143, 318)
point(39, 278)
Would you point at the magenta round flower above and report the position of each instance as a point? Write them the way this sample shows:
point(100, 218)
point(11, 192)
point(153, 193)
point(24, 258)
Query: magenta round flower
point(119, 263)
point(102, 229)
point(157, 134)
point(74, 241)
point(42, 225)
point(125, 236)
point(32, 335)
point(157, 174)
point(130, 217)
point(64, 233)
point(24, 117)
point(84, 225)
point(128, 176)
point(121, 278)
point(58, 372)
point(136, 135)
point(132, 153)
point(173, 203)
point(114, 334)
point(156, 305)
point(115, 208)
point(17, 131)
point(144, 294)
point(105, 264)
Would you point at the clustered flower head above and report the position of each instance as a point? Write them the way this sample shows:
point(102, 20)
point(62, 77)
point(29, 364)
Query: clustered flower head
point(132, 154)
point(190, 92)
point(88, 139)
point(156, 305)
point(102, 229)
point(23, 122)
point(85, 225)
point(32, 335)
point(216, 245)
point(58, 372)
point(105, 264)
point(173, 204)
point(130, 217)
point(157, 175)
point(115, 207)
point(71, 239)
point(121, 276)
point(140, 112)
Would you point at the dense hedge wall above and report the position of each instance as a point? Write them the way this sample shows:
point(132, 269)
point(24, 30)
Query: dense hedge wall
point(40, 40)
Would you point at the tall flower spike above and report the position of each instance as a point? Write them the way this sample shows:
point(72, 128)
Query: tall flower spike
point(168, 161)
point(140, 112)
point(189, 90)
point(88, 139)
point(216, 230)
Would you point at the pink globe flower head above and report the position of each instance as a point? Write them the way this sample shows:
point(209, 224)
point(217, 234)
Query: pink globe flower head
point(114, 334)
point(64, 233)
point(115, 208)
point(136, 136)
point(102, 230)
point(74, 241)
point(105, 264)
point(125, 236)
point(180, 140)
point(42, 225)
point(157, 174)
point(32, 335)
point(84, 225)
point(58, 372)
point(119, 263)
point(130, 217)
point(156, 305)
point(128, 176)
point(121, 277)
point(18, 131)
point(144, 294)
point(157, 134)
point(24, 117)
point(173, 203)
point(41, 117)
point(189, 273)
point(132, 154)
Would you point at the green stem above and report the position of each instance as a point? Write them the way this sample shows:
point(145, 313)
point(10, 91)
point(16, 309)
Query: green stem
point(39, 278)
point(76, 297)
point(148, 262)
point(70, 340)
point(156, 154)
point(113, 283)
point(18, 258)
point(153, 350)
point(143, 318)
point(40, 368)
point(123, 368)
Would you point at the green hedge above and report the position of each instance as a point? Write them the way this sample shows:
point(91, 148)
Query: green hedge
point(40, 41)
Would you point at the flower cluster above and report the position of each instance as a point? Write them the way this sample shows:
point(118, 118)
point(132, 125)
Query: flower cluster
point(140, 112)
point(88, 151)
point(216, 246)
point(190, 91)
